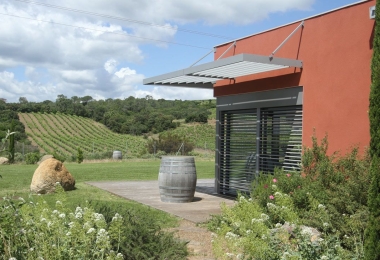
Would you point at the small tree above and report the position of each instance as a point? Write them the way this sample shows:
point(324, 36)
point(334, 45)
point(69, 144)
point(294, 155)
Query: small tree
point(79, 155)
point(372, 234)
point(11, 145)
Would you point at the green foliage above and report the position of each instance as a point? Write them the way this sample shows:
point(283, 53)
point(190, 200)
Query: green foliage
point(141, 235)
point(372, 248)
point(201, 135)
point(330, 196)
point(32, 158)
point(372, 233)
point(79, 155)
point(170, 143)
point(60, 232)
point(65, 133)
point(95, 231)
point(199, 117)
point(11, 144)
point(59, 156)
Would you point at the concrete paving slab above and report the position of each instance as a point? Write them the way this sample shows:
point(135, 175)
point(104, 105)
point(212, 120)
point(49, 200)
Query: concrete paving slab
point(206, 201)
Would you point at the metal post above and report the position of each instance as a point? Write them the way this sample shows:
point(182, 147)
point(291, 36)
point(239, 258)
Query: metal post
point(287, 38)
point(202, 58)
point(233, 44)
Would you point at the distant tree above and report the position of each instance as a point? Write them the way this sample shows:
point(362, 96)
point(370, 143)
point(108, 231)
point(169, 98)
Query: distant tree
point(372, 232)
point(79, 155)
point(22, 100)
point(11, 146)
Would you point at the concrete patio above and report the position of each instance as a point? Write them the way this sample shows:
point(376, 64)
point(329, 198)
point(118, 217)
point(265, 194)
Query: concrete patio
point(206, 201)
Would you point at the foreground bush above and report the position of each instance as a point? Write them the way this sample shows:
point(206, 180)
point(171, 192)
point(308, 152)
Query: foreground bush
point(33, 230)
point(142, 235)
point(319, 214)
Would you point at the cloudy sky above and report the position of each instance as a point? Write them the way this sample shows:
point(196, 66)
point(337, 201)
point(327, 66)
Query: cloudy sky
point(106, 48)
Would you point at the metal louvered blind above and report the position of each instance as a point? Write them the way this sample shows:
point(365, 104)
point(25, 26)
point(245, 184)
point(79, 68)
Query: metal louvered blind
point(257, 140)
point(237, 150)
point(281, 138)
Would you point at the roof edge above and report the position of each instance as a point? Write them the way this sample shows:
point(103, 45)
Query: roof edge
point(298, 21)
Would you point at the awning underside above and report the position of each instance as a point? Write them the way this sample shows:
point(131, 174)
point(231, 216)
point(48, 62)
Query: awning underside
point(205, 75)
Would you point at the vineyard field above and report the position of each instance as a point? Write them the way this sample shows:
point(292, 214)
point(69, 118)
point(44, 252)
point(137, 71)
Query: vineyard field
point(63, 134)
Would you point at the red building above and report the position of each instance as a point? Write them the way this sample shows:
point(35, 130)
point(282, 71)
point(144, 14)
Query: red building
point(275, 88)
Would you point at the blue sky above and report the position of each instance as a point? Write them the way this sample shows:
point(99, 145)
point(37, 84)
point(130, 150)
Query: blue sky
point(40, 60)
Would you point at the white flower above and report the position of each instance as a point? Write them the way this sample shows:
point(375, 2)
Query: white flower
point(55, 212)
point(230, 235)
point(239, 256)
point(78, 210)
point(229, 254)
point(98, 216)
point(49, 223)
point(43, 219)
point(278, 194)
point(90, 230)
point(278, 225)
point(236, 224)
point(58, 202)
point(263, 237)
point(62, 215)
point(12, 258)
point(87, 225)
point(274, 186)
point(324, 257)
point(71, 224)
point(248, 231)
point(264, 216)
point(117, 217)
point(119, 256)
point(271, 205)
point(250, 199)
point(256, 220)
point(68, 234)
point(78, 215)
point(320, 206)
point(325, 224)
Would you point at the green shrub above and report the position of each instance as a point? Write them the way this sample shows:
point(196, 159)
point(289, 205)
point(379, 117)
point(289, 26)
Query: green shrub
point(18, 157)
point(32, 158)
point(79, 155)
point(170, 143)
point(330, 196)
point(142, 236)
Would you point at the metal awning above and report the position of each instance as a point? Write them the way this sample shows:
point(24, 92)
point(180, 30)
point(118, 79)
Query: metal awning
point(205, 75)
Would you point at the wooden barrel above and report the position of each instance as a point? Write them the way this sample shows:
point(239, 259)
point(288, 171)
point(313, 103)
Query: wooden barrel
point(177, 179)
point(117, 155)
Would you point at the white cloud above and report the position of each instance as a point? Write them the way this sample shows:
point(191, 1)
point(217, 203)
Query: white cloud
point(68, 60)
point(110, 65)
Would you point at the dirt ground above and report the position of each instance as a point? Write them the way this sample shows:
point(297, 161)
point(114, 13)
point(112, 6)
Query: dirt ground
point(199, 238)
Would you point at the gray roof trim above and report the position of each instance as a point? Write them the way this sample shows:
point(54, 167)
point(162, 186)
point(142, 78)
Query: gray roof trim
point(205, 75)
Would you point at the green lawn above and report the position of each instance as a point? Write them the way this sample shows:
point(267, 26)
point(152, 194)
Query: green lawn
point(16, 181)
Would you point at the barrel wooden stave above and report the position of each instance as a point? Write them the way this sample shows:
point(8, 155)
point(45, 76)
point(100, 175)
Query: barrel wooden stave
point(177, 179)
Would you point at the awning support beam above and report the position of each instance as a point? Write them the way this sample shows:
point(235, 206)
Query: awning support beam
point(213, 50)
point(287, 38)
point(233, 44)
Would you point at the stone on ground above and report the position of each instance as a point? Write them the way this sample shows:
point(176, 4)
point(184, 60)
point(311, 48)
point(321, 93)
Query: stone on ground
point(3, 160)
point(48, 173)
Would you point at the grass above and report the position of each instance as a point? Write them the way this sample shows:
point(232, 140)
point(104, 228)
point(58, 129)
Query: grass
point(16, 181)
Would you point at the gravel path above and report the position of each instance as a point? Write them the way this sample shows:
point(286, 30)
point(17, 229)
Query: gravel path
point(199, 238)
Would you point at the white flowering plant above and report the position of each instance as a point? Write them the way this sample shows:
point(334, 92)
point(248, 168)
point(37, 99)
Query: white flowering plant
point(33, 230)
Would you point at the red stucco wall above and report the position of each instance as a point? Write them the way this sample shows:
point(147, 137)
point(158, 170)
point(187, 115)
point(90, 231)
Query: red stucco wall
point(336, 51)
